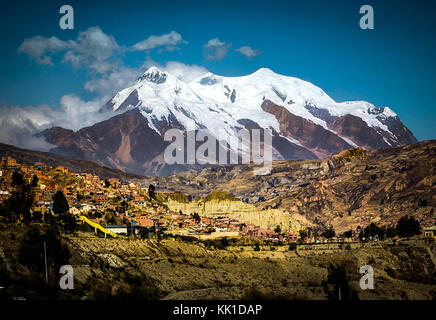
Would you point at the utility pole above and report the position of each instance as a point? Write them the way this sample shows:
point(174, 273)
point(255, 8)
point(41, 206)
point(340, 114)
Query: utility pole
point(45, 260)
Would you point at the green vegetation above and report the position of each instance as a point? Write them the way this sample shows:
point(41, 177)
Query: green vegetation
point(61, 209)
point(292, 246)
point(303, 234)
point(329, 233)
point(60, 203)
point(406, 227)
point(151, 191)
point(64, 180)
point(219, 195)
point(278, 229)
point(175, 196)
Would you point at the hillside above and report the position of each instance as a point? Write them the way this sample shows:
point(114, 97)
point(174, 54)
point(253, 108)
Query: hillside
point(150, 269)
point(30, 157)
point(352, 188)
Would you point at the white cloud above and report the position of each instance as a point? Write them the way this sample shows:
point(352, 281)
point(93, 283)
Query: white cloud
point(92, 49)
point(38, 46)
point(185, 72)
point(168, 40)
point(249, 52)
point(18, 124)
point(216, 49)
point(114, 81)
point(96, 52)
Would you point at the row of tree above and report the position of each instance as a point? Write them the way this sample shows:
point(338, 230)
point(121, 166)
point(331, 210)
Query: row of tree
point(407, 226)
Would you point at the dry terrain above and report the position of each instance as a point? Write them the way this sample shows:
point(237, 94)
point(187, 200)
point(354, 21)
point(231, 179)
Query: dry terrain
point(178, 270)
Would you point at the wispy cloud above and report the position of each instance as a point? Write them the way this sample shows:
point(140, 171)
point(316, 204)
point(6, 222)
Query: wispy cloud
point(168, 40)
point(19, 124)
point(39, 47)
point(92, 49)
point(249, 52)
point(215, 49)
point(98, 53)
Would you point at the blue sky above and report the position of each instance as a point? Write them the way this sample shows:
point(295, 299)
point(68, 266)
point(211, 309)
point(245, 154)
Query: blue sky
point(318, 41)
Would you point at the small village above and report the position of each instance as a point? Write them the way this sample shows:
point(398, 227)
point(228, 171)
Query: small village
point(121, 207)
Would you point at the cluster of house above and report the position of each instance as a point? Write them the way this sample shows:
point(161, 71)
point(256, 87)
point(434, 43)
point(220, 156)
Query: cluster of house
point(183, 224)
point(89, 195)
point(129, 203)
point(85, 192)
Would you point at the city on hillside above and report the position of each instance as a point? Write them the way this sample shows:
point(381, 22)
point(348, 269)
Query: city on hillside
point(130, 209)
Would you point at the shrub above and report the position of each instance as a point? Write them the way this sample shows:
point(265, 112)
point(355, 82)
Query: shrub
point(408, 227)
point(292, 246)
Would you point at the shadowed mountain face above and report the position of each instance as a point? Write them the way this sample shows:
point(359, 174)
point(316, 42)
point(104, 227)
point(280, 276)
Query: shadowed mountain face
point(305, 122)
point(314, 137)
point(75, 165)
point(125, 142)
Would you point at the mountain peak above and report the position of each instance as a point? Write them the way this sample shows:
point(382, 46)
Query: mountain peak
point(153, 69)
point(153, 74)
point(264, 70)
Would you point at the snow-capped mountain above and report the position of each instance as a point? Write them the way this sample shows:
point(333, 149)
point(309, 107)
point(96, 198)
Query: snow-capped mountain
point(306, 122)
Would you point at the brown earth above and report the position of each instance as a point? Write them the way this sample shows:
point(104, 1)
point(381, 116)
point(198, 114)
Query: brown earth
point(179, 270)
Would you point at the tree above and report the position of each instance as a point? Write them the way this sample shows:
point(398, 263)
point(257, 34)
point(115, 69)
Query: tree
point(17, 179)
point(34, 182)
point(61, 209)
point(68, 221)
point(303, 234)
point(196, 216)
point(31, 252)
point(337, 285)
point(390, 232)
point(348, 234)
point(151, 191)
point(371, 231)
point(110, 218)
point(329, 233)
point(37, 216)
point(60, 203)
point(292, 246)
point(22, 197)
point(408, 227)
point(107, 184)
point(278, 229)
